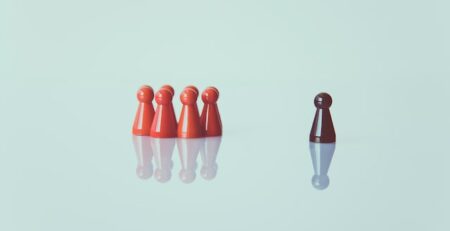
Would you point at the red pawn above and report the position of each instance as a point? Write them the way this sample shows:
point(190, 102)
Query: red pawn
point(145, 113)
point(164, 123)
point(189, 126)
point(210, 118)
point(172, 92)
point(195, 89)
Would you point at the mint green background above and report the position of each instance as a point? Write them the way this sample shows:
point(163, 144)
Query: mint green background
point(68, 75)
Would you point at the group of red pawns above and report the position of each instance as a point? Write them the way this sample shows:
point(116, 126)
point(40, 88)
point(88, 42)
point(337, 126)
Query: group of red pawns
point(162, 122)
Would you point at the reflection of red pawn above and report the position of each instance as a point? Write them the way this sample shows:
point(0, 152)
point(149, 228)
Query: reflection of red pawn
point(145, 113)
point(164, 123)
point(210, 119)
point(189, 124)
point(144, 153)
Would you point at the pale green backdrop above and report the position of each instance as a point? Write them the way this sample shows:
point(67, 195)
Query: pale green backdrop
point(68, 75)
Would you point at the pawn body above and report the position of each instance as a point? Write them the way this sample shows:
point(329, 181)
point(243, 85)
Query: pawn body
point(322, 130)
point(145, 112)
point(189, 124)
point(164, 122)
point(210, 117)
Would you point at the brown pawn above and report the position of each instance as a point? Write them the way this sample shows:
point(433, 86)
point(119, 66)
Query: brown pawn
point(210, 118)
point(145, 112)
point(164, 123)
point(189, 124)
point(322, 130)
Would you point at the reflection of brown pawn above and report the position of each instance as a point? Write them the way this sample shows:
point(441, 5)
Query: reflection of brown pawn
point(322, 130)
point(188, 150)
point(210, 118)
point(163, 150)
point(164, 123)
point(209, 155)
point(145, 112)
point(144, 154)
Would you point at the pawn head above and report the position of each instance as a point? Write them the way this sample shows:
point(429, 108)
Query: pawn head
point(320, 182)
point(163, 97)
point(188, 96)
point(194, 88)
point(210, 95)
point(323, 100)
point(169, 88)
point(145, 94)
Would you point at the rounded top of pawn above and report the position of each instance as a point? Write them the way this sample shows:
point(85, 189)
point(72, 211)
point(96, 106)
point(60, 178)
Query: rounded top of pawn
point(194, 88)
point(323, 100)
point(163, 97)
point(210, 95)
point(169, 88)
point(188, 96)
point(145, 94)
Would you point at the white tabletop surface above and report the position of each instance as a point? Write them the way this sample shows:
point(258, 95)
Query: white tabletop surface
point(69, 73)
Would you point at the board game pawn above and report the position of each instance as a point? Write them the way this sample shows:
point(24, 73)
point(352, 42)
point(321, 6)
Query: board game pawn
point(145, 112)
point(210, 117)
point(164, 122)
point(189, 122)
point(172, 92)
point(322, 130)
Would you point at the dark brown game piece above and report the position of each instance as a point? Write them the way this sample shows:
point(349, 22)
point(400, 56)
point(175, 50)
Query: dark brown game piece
point(322, 130)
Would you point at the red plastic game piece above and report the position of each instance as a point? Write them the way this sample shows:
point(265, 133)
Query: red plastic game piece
point(189, 124)
point(164, 123)
point(172, 91)
point(145, 112)
point(210, 118)
point(322, 130)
